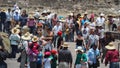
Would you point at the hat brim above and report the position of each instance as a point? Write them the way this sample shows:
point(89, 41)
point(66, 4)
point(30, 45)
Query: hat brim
point(34, 40)
point(110, 47)
point(26, 38)
point(17, 31)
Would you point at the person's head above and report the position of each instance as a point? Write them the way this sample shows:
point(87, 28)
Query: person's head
point(78, 15)
point(94, 46)
point(79, 34)
point(79, 49)
point(47, 54)
point(9, 10)
point(101, 15)
point(92, 31)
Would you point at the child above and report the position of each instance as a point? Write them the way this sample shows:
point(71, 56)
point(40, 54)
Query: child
point(54, 58)
point(47, 60)
point(60, 40)
point(40, 57)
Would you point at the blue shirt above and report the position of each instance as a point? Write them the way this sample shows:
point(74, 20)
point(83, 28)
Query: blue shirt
point(14, 39)
point(84, 21)
point(92, 55)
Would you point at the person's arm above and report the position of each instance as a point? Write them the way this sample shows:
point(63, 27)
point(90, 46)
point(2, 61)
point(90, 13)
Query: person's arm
point(106, 58)
point(84, 43)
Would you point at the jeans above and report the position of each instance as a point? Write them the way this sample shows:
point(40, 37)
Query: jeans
point(114, 65)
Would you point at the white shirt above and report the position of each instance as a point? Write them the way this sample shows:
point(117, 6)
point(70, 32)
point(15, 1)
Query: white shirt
point(92, 24)
point(47, 63)
point(100, 21)
point(101, 33)
point(93, 39)
point(85, 32)
point(56, 29)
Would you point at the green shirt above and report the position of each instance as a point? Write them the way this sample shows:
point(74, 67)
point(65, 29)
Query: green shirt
point(79, 57)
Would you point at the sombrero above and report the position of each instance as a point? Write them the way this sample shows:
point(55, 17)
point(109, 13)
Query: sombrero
point(65, 45)
point(31, 17)
point(110, 46)
point(35, 39)
point(15, 31)
point(26, 37)
point(25, 28)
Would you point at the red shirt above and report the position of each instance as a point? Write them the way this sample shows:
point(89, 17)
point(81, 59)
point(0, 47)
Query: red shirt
point(112, 56)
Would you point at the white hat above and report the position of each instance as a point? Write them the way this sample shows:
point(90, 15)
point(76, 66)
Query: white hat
point(101, 14)
point(79, 48)
point(110, 46)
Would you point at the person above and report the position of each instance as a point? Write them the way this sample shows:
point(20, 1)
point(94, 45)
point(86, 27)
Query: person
point(93, 57)
point(80, 40)
point(47, 60)
point(60, 40)
point(40, 58)
point(31, 24)
point(8, 20)
point(110, 22)
point(56, 29)
point(54, 59)
point(14, 41)
point(81, 58)
point(23, 18)
point(3, 19)
point(3, 56)
point(100, 21)
point(25, 39)
point(93, 38)
point(65, 57)
point(33, 52)
point(112, 56)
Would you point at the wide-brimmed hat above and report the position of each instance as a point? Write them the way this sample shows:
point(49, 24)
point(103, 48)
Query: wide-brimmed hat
point(79, 48)
point(110, 46)
point(26, 36)
point(34, 39)
point(25, 28)
point(15, 31)
point(31, 17)
point(65, 45)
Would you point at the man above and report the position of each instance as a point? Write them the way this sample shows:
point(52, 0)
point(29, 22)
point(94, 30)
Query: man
point(112, 56)
point(100, 21)
point(93, 56)
point(2, 19)
point(56, 29)
point(8, 20)
point(65, 57)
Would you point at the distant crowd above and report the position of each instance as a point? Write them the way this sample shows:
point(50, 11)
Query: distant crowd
point(42, 39)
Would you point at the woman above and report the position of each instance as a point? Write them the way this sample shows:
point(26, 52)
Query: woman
point(33, 52)
point(80, 40)
point(14, 40)
point(24, 48)
point(81, 58)
point(31, 24)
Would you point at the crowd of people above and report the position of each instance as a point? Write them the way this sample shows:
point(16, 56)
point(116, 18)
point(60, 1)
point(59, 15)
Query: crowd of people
point(42, 39)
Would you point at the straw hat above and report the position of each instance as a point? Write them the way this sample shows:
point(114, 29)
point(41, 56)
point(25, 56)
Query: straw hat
point(26, 37)
point(31, 17)
point(15, 31)
point(79, 48)
point(110, 46)
point(25, 28)
point(35, 39)
point(17, 26)
point(42, 18)
point(65, 45)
